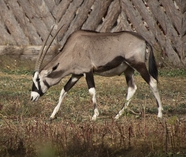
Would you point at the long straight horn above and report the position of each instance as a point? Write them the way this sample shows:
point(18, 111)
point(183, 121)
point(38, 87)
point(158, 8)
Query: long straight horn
point(53, 38)
point(39, 59)
point(42, 55)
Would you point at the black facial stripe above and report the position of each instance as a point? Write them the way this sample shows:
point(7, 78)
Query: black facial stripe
point(36, 90)
point(40, 91)
point(46, 84)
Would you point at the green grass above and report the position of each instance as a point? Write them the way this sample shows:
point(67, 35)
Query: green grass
point(172, 72)
point(26, 130)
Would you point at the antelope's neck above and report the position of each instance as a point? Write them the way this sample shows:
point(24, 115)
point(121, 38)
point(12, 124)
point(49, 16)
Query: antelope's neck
point(63, 69)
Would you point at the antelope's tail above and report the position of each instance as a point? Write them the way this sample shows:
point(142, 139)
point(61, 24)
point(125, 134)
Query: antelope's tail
point(153, 70)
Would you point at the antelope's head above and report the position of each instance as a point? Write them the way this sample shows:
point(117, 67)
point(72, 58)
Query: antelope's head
point(40, 84)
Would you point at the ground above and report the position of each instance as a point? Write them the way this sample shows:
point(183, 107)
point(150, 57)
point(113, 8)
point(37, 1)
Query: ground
point(26, 130)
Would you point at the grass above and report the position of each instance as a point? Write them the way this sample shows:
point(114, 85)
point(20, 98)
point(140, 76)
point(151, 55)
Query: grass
point(26, 130)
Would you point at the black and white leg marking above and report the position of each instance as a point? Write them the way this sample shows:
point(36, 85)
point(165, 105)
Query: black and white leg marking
point(71, 82)
point(92, 91)
point(153, 86)
point(129, 73)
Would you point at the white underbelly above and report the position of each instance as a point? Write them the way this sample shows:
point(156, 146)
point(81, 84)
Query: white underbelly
point(112, 72)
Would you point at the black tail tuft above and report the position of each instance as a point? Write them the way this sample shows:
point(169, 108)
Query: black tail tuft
point(153, 70)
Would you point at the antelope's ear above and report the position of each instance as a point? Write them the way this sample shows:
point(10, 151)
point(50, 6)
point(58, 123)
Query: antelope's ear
point(48, 72)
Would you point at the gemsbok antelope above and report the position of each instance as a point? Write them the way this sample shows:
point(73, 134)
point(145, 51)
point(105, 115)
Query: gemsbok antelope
point(107, 54)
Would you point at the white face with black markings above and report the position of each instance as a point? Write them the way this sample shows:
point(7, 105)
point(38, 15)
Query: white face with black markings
point(39, 87)
point(41, 82)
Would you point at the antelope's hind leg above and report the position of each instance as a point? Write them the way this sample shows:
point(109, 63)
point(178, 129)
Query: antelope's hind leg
point(71, 82)
point(92, 91)
point(129, 75)
point(153, 86)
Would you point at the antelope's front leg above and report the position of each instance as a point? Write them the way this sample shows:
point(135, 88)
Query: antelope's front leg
point(72, 81)
point(129, 76)
point(56, 109)
point(92, 91)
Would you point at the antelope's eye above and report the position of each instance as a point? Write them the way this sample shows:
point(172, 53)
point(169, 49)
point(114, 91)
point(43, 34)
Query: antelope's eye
point(38, 79)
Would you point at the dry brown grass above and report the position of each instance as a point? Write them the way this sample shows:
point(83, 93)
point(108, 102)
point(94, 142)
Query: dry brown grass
point(26, 131)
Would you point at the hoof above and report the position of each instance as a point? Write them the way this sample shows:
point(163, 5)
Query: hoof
point(116, 117)
point(94, 118)
point(52, 118)
point(96, 114)
point(159, 115)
